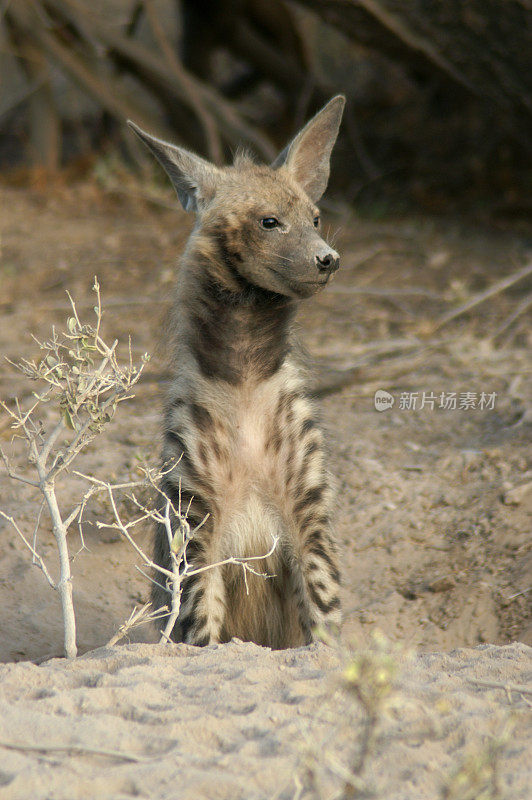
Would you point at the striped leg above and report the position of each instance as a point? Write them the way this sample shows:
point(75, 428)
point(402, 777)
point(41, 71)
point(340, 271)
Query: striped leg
point(316, 574)
point(316, 582)
point(316, 578)
point(322, 577)
point(202, 611)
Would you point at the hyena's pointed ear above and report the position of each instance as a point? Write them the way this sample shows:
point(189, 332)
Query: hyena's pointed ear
point(308, 154)
point(193, 178)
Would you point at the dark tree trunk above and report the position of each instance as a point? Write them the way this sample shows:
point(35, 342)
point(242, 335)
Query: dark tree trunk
point(482, 46)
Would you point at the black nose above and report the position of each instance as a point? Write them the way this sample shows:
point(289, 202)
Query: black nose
point(328, 263)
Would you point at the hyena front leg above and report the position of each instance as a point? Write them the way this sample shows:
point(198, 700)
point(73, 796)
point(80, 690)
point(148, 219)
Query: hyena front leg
point(316, 580)
point(202, 612)
point(315, 573)
point(202, 608)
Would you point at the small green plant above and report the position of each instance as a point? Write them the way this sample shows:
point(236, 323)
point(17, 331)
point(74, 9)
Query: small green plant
point(370, 677)
point(336, 767)
point(477, 776)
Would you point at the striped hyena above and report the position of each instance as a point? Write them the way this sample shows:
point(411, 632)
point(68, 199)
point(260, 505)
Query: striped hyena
point(238, 414)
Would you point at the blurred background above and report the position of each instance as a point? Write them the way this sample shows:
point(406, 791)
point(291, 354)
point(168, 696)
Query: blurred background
point(439, 93)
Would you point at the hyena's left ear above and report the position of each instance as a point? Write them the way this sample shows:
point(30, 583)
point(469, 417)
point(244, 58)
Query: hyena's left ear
point(308, 155)
point(194, 179)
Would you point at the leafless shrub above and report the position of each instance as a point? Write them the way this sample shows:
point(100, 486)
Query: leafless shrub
point(80, 379)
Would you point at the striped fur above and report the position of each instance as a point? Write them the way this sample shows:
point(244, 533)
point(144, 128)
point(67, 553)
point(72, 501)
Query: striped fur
point(238, 415)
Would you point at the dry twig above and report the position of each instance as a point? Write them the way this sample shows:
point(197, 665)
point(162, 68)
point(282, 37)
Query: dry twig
point(73, 749)
point(512, 687)
point(480, 297)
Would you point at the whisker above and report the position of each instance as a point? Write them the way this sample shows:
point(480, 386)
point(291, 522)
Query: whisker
point(265, 252)
point(285, 258)
point(335, 235)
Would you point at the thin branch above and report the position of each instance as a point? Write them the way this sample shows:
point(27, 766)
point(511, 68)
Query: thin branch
point(12, 474)
point(52, 438)
point(79, 508)
point(20, 420)
point(413, 40)
point(36, 528)
point(240, 561)
point(139, 616)
point(152, 580)
point(214, 144)
point(76, 750)
point(177, 558)
point(512, 687)
point(479, 298)
point(125, 532)
point(38, 561)
point(523, 307)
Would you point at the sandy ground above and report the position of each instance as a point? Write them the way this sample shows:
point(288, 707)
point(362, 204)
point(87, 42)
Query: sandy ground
point(434, 511)
point(240, 721)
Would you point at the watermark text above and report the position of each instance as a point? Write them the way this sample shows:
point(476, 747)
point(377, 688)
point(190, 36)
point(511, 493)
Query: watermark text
point(435, 401)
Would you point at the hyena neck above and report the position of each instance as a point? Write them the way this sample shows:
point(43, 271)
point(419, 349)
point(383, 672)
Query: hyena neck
point(237, 331)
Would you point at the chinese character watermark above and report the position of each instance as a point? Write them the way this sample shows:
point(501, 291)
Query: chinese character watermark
point(436, 401)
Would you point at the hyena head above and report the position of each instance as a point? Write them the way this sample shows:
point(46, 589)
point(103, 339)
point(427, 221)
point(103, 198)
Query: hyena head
point(259, 224)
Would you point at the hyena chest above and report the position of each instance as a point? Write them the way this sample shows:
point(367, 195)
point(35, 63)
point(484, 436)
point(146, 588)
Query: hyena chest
point(257, 448)
point(244, 451)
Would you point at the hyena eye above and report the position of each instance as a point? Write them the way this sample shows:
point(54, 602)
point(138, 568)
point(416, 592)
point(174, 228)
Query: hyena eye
point(269, 223)
point(316, 221)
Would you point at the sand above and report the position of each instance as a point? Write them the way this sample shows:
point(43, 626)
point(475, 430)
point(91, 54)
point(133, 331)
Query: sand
point(240, 721)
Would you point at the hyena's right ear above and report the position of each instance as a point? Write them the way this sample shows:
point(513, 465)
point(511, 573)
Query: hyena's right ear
point(193, 178)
